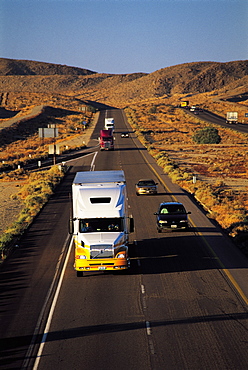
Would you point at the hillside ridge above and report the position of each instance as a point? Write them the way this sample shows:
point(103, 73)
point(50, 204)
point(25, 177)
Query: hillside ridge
point(186, 78)
point(13, 67)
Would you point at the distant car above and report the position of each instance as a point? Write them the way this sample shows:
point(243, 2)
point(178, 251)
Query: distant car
point(146, 186)
point(125, 134)
point(171, 215)
point(196, 109)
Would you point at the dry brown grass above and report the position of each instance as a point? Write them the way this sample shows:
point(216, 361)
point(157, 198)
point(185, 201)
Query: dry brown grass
point(24, 147)
point(172, 131)
point(23, 141)
point(169, 129)
point(11, 206)
point(223, 166)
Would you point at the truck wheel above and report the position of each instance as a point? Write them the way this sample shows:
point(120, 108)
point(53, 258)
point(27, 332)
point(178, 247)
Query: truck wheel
point(80, 274)
point(159, 230)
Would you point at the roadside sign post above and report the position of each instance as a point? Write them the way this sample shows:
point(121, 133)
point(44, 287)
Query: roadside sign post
point(50, 131)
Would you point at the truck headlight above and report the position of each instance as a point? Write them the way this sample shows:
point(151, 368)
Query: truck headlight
point(80, 257)
point(162, 222)
point(121, 255)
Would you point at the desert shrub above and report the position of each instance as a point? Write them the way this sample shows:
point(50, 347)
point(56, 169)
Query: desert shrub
point(131, 117)
point(176, 175)
point(91, 109)
point(153, 109)
point(226, 215)
point(205, 194)
point(207, 135)
point(239, 232)
point(34, 194)
point(5, 239)
point(159, 155)
point(163, 161)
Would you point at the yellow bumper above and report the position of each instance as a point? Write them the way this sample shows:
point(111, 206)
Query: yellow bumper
point(101, 264)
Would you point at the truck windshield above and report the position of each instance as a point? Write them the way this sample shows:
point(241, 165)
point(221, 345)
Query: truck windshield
point(87, 225)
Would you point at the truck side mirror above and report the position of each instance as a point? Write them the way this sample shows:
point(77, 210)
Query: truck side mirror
point(71, 228)
point(131, 224)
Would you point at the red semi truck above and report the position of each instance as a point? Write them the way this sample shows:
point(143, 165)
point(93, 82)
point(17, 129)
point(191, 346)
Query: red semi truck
point(106, 140)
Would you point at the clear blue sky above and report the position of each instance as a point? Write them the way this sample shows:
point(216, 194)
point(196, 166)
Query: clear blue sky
point(124, 36)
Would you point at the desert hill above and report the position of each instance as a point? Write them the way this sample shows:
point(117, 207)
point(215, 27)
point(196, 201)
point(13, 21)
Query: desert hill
point(35, 94)
point(188, 78)
point(10, 67)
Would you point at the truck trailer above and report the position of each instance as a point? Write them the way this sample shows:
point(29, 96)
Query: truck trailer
point(99, 222)
point(106, 140)
point(109, 123)
point(184, 104)
point(232, 117)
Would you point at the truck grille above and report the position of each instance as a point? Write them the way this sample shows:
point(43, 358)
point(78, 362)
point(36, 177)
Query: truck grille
point(101, 251)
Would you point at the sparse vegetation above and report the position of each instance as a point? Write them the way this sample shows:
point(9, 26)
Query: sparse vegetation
point(31, 148)
point(153, 109)
point(34, 194)
point(208, 135)
point(170, 144)
point(150, 102)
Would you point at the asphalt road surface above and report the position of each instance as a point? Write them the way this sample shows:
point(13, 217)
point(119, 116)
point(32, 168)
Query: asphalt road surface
point(211, 117)
point(182, 304)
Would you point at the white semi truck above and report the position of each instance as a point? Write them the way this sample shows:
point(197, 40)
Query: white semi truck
point(232, 117)
point(100, 223)
point(109, 123)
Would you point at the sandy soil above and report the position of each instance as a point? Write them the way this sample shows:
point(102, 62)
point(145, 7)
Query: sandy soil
point(9, 208)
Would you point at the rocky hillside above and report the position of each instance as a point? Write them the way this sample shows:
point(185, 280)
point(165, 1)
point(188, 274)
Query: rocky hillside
point(12, 67)
point(188, 78)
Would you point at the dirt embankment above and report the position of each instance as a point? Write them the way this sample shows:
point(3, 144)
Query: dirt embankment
point(10, 206)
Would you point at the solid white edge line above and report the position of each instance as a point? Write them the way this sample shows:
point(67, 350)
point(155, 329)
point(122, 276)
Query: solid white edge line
point(49, 320)
point(31, 346)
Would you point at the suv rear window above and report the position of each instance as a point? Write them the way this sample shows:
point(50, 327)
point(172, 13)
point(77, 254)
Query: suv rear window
point(172, 208)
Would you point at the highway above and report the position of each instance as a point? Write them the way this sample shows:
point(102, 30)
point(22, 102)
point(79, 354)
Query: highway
point(182, 304)
point(211, 117)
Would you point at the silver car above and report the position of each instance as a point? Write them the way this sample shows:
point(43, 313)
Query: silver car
point(146, 186)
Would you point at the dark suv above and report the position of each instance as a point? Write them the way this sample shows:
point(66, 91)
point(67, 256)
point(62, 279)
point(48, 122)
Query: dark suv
point(171, 215)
